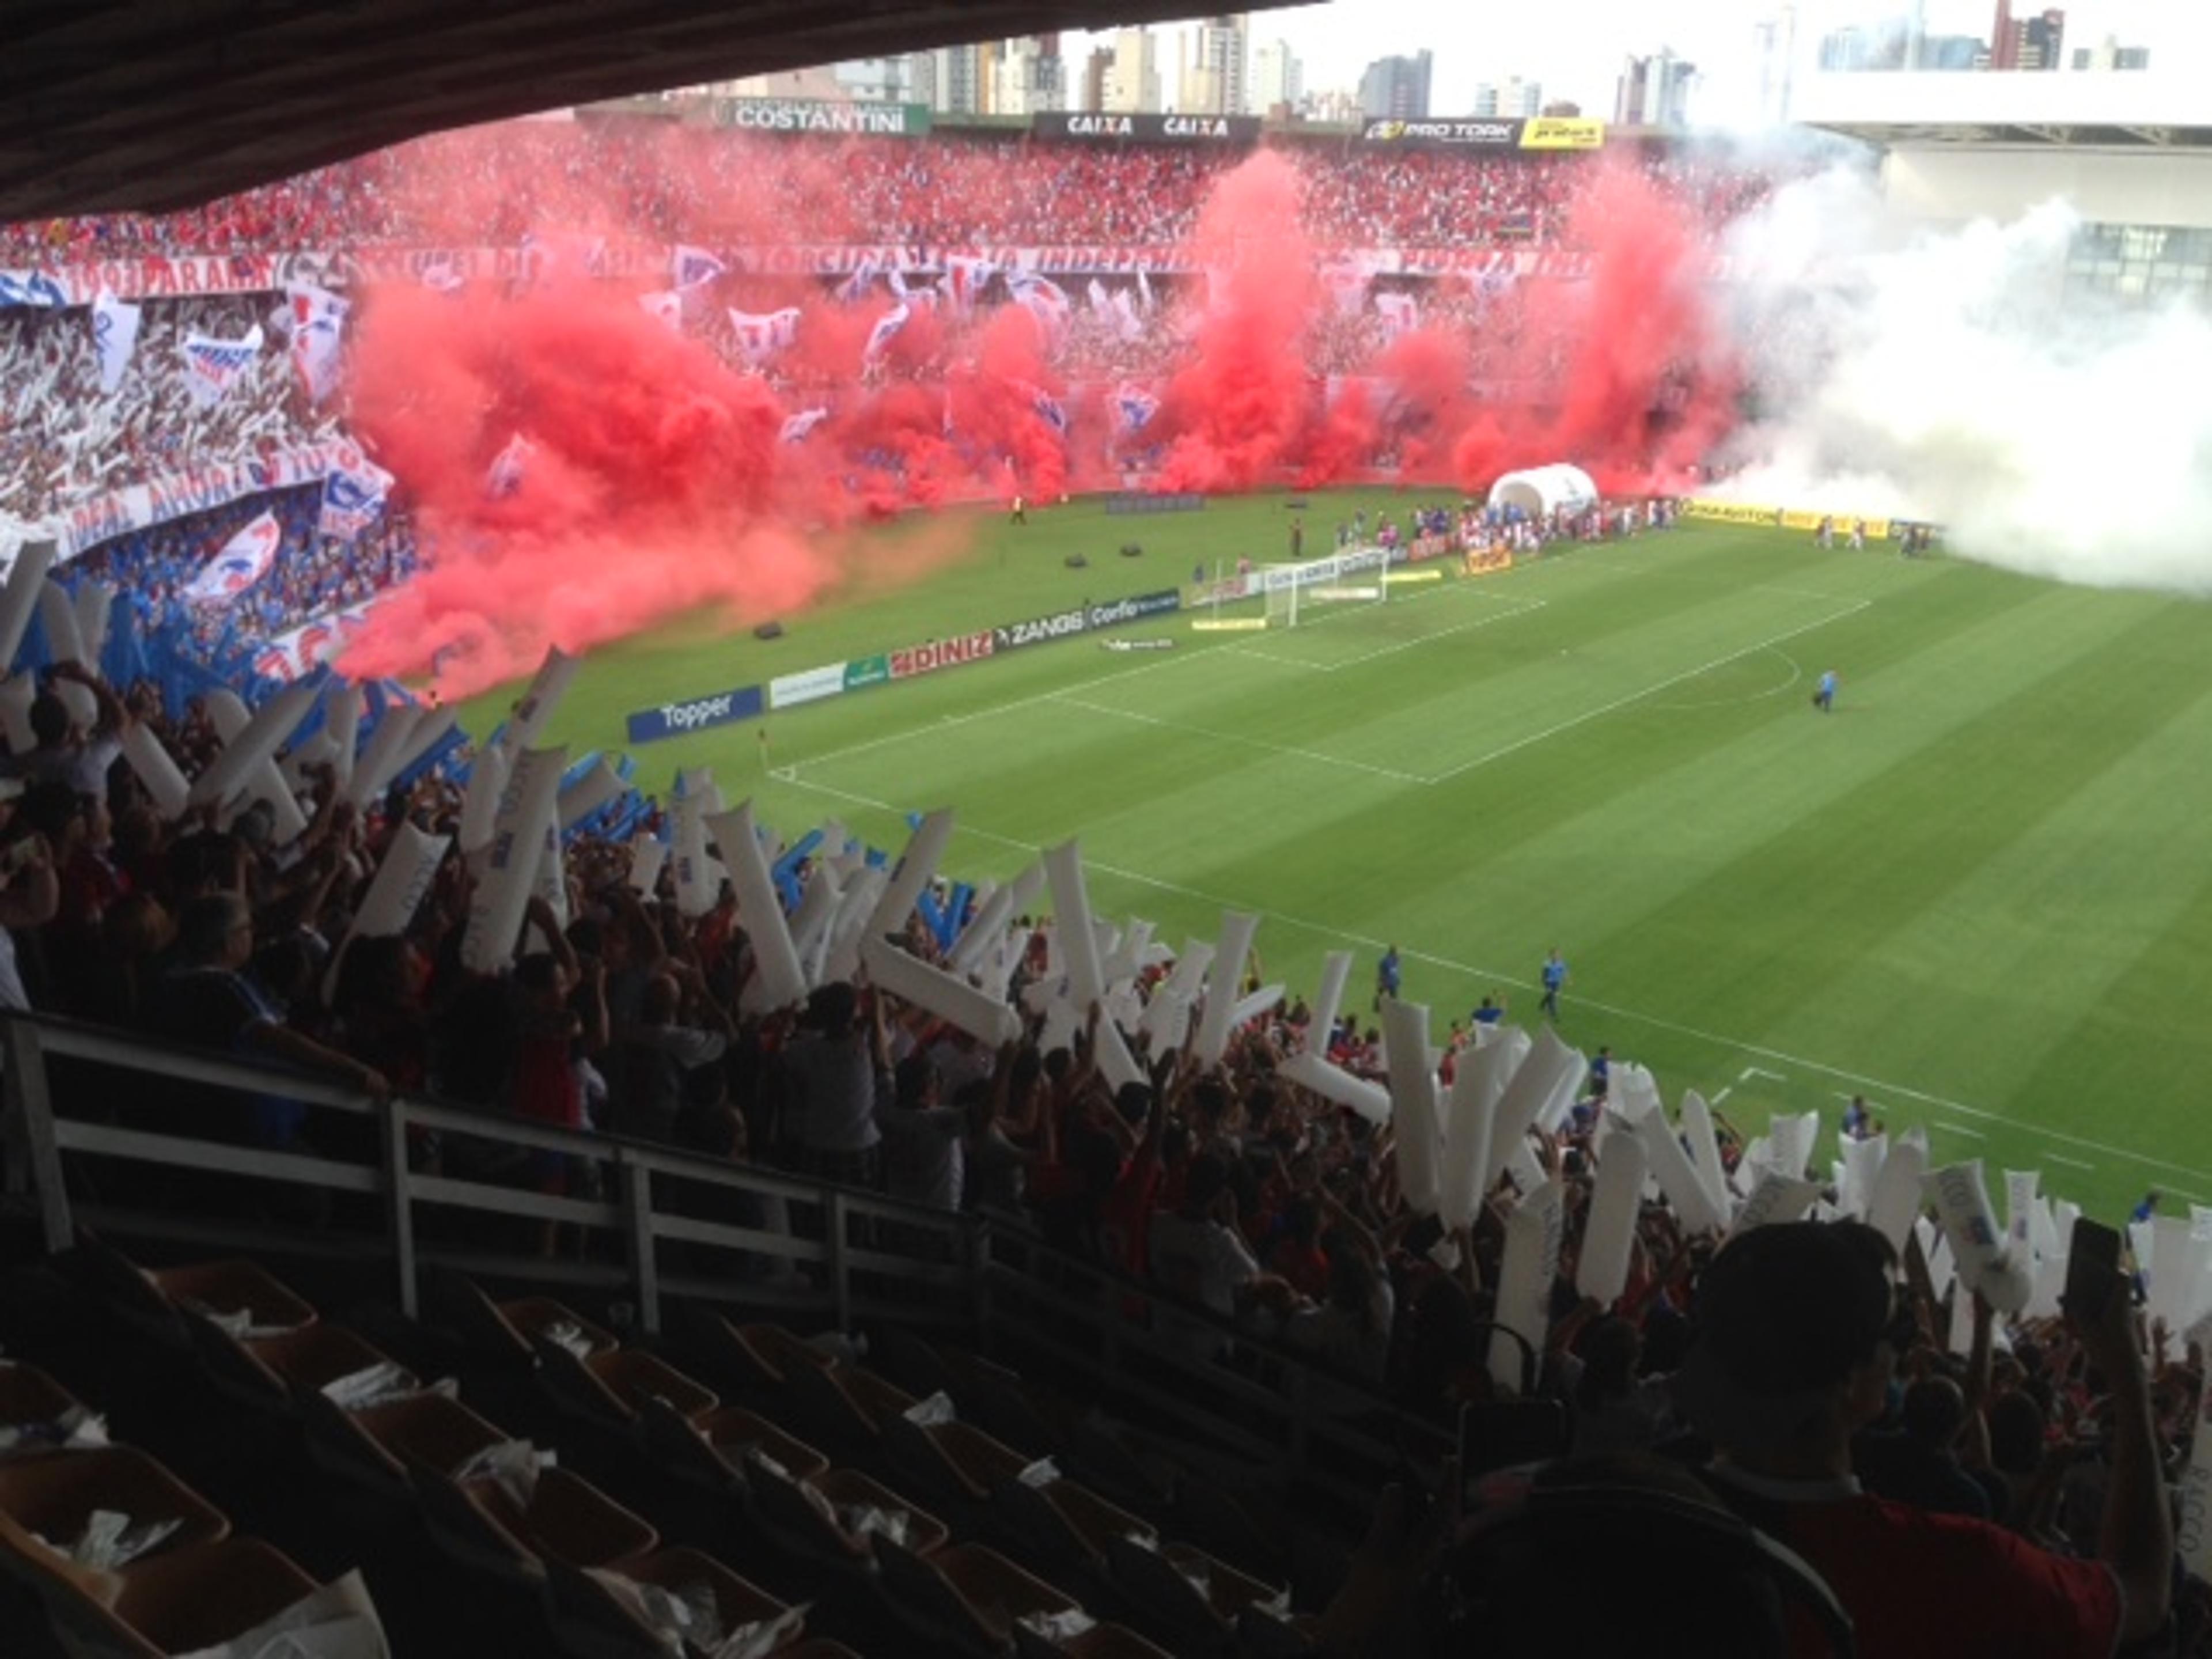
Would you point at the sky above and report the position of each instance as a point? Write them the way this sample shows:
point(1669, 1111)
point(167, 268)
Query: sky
point(1575, 47)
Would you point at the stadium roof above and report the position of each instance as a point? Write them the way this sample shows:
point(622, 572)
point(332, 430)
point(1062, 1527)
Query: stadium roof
point(107, 105)
point(2114, 110)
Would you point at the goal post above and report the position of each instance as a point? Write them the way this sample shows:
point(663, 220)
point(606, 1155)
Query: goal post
point(1317, 587)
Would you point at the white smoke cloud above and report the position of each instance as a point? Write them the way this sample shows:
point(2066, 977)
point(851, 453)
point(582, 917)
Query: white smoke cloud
point(1947, 375)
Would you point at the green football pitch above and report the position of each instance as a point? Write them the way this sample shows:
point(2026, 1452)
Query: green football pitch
point(1980, 892)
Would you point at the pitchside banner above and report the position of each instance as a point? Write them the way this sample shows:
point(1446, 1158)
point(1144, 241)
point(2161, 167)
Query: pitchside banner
point(1563, 133)
point(674, 719)
point(810, 685)
point(1731, 512)
point(1443, 135)
point(1068, 125)
point(1083, 619)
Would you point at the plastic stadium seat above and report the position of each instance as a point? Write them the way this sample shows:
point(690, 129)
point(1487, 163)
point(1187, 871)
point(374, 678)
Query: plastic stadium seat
point(949, 1464)
point(267, 1372)
point(710, 1452)
point(152, 1299)
point(1162, 1584)
point(31, 1401)
point(593, 1621)
point(841, 1406)
point(568, 1519)
point(609, 1384)
point(1099, 1642)
point(811, 1518)
point(180, 1601)
point(1098, 1459)
point(500, 1333)
point(1063, 1527)
point(756, 1359)
point(964, 1595)
point(53, 1496)
point(376, 1445)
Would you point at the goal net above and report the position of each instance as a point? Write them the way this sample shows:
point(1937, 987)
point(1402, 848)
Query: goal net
point(1306, 591)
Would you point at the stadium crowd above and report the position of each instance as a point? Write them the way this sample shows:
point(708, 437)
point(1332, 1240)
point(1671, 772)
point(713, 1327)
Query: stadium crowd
point(1821, 1368)
point(489, 186)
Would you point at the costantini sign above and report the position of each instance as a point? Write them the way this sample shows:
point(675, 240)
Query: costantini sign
point(1147, 128)
point(822, 116)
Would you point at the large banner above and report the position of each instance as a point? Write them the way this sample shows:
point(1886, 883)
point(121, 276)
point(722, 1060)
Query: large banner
point(1083, 619)
point(674, 719)
point(1070, 125)
point(822, 115)
point(1563, 133)
point(70, 282)
point(304, 648)
point(192, 490)
point(928, 658)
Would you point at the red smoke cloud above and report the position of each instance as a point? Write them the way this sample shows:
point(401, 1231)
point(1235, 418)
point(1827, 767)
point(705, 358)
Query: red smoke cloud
point(657, 481)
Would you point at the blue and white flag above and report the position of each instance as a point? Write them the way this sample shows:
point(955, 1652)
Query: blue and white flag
point(212, 367)
point(318, 321)
point(1049, 409)
point(30, 287)
point(115, 331)
point(243, 561)
point(796, 428)
point(1135, 407)
point(353, 496)
point(887, 330)
point(854, 288)
point(1044, 300)
point(695, 266)
point(760, 336)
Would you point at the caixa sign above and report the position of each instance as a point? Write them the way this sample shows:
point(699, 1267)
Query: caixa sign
point(675, 720)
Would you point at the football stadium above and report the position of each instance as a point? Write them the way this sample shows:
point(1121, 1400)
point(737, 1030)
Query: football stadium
point(908, 859)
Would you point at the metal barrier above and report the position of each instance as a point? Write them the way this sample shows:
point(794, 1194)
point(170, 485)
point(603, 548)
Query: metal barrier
point(804, 1247)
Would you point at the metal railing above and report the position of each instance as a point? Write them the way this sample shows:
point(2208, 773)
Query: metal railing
point(656, 1222)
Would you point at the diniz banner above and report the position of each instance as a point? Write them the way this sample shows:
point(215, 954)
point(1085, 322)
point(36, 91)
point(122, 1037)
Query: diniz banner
point(954, 653)
point(1474, 134)
point(103, 517)
point(1068, 125)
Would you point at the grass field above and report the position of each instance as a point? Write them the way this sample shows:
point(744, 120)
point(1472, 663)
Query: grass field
point(1979, 892)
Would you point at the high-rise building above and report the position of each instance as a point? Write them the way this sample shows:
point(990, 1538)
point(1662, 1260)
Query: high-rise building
point(1029, 76)
point(1279, 79)
point(1097, 69)
point(875, 80)
point(1397, 88)
point(1654, 91)
point(1214, 81)
point(1509, 97)
point(955, 83)
point(1774, 47)
point(2027, 43)
point(1133, 88)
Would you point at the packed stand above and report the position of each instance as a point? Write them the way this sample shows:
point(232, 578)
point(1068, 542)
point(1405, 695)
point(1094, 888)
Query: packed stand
point(63, 438)
point(489, 185)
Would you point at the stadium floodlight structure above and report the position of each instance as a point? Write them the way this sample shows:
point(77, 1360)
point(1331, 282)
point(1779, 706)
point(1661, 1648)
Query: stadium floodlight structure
point(1315, 587)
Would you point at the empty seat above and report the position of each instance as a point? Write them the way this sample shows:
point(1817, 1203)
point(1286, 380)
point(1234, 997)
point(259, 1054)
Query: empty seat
point(480, 1523)
point(841, 1406)
point(375, 1444)
point(823, 1519)
point(36, 1412)
point(180, 1601)
point(52, 1498)
point(754, 1359)
point(1099, 1642)
point(711, 1451)
point(499, 1334)
point(1184, 1595)
point(267, 1372)
point(965, 1594)
point(949, 1464)
point(610, 1384)
point(226, 1289)
point(594, 1619)
point(1063, 1527)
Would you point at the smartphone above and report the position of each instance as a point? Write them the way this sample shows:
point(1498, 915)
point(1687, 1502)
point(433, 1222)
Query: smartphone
point(1502, 1434)
point(2092, 1268)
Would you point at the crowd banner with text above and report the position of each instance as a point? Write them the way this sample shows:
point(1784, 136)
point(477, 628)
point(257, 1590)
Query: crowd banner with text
point(822, 115)
point(1563, 133)
point(1700, 506)
point(199, 487)
point(1443, 135)
point(675, 720)
point(1073, 125)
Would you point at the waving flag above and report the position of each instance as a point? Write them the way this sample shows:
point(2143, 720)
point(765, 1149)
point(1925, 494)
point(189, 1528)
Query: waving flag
point(1144, 291)
point(760, 337)
point(964, 278)
point(665, 304)
point(245, 560)
point(318, 317)
point(796, 428)
point(504, 477)
point(887, 330)
point(442, 273)
point(1049, 410)
point(1136, 407)
point(1044, 300)
point(353, 496)
point(695, 266)
point(115, 331)
point(854, 288)
point(905, 295)
point(1129, 324)
point(212, 367)
point(30, 287)
point(1401, 313)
